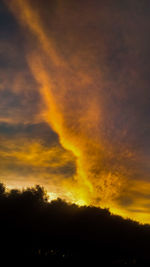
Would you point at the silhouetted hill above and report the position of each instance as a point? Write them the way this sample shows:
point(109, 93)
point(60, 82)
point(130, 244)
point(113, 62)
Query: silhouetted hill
point(35, 232)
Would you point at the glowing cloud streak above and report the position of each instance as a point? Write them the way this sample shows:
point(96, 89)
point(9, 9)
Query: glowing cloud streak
point(76, 127)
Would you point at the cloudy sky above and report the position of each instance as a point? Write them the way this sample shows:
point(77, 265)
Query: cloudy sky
point(75, 100)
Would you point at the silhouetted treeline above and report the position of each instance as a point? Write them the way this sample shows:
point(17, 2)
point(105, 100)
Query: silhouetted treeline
point(35, 232)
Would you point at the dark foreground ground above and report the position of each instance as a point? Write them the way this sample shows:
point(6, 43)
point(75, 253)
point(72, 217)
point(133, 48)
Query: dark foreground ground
point(37, 233)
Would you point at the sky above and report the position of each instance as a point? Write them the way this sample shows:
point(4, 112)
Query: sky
point(75, 101)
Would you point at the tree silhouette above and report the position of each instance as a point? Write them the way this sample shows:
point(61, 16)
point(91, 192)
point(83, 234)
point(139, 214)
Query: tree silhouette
point(2, 189)
point(38, 233)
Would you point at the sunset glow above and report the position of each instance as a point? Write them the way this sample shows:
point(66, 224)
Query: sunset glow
point(84, 91)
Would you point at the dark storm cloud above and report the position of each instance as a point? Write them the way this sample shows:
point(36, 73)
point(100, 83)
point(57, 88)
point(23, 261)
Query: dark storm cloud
point(39, 131)
point(19, 99)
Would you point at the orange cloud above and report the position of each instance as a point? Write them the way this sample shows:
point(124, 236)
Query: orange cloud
point(26, 161)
